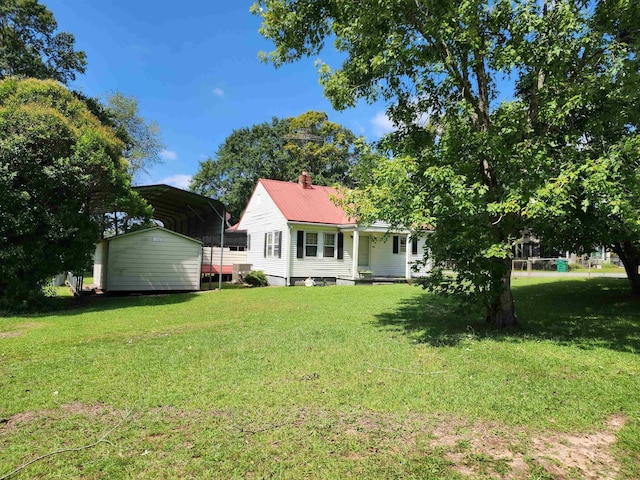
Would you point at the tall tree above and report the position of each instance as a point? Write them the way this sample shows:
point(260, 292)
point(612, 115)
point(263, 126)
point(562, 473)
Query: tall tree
point(476, 171)
point(30, 46)
point(141, 137)
point(141, 144)
point(593, 198)
point(278, 150)
point(58, 166)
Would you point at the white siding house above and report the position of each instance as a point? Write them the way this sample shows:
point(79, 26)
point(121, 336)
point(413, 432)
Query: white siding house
point(268, 236)
point(154, 259)
point(295, 231)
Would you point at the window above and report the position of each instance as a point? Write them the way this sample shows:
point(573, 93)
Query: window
point(414, 246)
point(311, 244)
point(277, 244)
point(236, 249)
point(399, 244)
point(269, 245)
point(320, 245)
point(273, 244)
point(329, 248)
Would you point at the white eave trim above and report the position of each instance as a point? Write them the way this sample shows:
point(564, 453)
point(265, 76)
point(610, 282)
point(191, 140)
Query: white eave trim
point(332, 225)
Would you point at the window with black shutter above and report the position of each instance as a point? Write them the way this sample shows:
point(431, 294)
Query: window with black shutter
point(278, 244)
point(300, 245)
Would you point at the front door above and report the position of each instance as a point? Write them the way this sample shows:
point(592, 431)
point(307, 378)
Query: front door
point(364, 245)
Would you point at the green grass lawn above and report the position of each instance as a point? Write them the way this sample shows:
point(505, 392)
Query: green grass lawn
point(332, 382)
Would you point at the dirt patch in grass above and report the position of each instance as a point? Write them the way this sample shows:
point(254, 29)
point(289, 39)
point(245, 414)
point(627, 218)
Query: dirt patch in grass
point(68, 409)
point(587, 454)
point(485, 449)
point(14, 333)
point(482, 448)
point(19, 330)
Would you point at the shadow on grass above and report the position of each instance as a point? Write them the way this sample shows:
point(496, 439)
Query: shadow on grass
point(589, 313)
point(68, 306)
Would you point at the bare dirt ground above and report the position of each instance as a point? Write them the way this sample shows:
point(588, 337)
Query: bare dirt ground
point(513, 453)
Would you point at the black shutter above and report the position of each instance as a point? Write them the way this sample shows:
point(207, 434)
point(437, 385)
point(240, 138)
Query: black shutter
point(340, 245)
point(300, 245)
point(414, 246)
point(396, 244)
point(279, 243)
point(265, 245)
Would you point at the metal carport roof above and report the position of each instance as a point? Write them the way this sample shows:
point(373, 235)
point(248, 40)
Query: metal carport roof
point(184, 212)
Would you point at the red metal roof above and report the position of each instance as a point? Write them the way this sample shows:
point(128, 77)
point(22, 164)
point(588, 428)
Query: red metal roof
point(312, 205)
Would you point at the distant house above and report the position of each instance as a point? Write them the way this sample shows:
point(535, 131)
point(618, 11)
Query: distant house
point(294, 231)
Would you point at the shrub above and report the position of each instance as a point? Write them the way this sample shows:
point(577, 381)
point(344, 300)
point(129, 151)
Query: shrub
point(256, 278)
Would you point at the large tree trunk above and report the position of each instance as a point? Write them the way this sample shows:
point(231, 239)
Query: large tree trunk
point(502, 312)
point(630, 257)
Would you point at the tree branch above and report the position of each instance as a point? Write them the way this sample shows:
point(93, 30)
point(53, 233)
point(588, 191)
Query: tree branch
point(438, 43)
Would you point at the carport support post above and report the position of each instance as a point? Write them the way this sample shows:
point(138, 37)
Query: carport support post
point(222, 222)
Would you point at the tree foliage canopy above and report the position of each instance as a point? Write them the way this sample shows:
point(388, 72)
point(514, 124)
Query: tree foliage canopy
point(30, 46)
point(58, 166)
point(521, 99)
point(142, 142)
point(279, 150)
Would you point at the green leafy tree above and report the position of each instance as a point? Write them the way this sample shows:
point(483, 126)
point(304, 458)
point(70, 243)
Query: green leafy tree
point(325, 149)
point(59, 165)
point(142, 146)
point(592, 199)
point(141, 138)
point(30, 46)
point(478, 171)
point(279, 150)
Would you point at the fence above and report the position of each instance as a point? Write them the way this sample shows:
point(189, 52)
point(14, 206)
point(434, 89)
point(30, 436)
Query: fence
point(75, 282)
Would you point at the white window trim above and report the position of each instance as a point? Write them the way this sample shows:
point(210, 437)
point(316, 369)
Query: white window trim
point(317, 244)
point(334, 246)
point(270, 244)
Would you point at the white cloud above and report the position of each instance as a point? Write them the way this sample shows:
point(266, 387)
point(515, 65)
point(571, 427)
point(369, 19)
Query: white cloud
point(168, 155)
point(179, 181)
point(218, 91)
point(382, 124)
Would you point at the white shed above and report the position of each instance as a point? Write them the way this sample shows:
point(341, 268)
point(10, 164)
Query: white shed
point(153, 259)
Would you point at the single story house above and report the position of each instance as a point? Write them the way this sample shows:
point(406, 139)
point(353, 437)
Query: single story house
point(295, 231)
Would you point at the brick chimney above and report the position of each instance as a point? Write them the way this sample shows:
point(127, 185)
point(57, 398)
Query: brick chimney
point(304, 180)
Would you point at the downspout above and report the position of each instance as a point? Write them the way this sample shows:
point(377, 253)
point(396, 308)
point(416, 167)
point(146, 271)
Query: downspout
point(287, 260)
point(407, 259)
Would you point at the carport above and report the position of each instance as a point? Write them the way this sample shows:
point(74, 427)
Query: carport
point(188, 214)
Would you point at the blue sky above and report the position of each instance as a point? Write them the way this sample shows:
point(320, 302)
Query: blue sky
point(195, 71)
